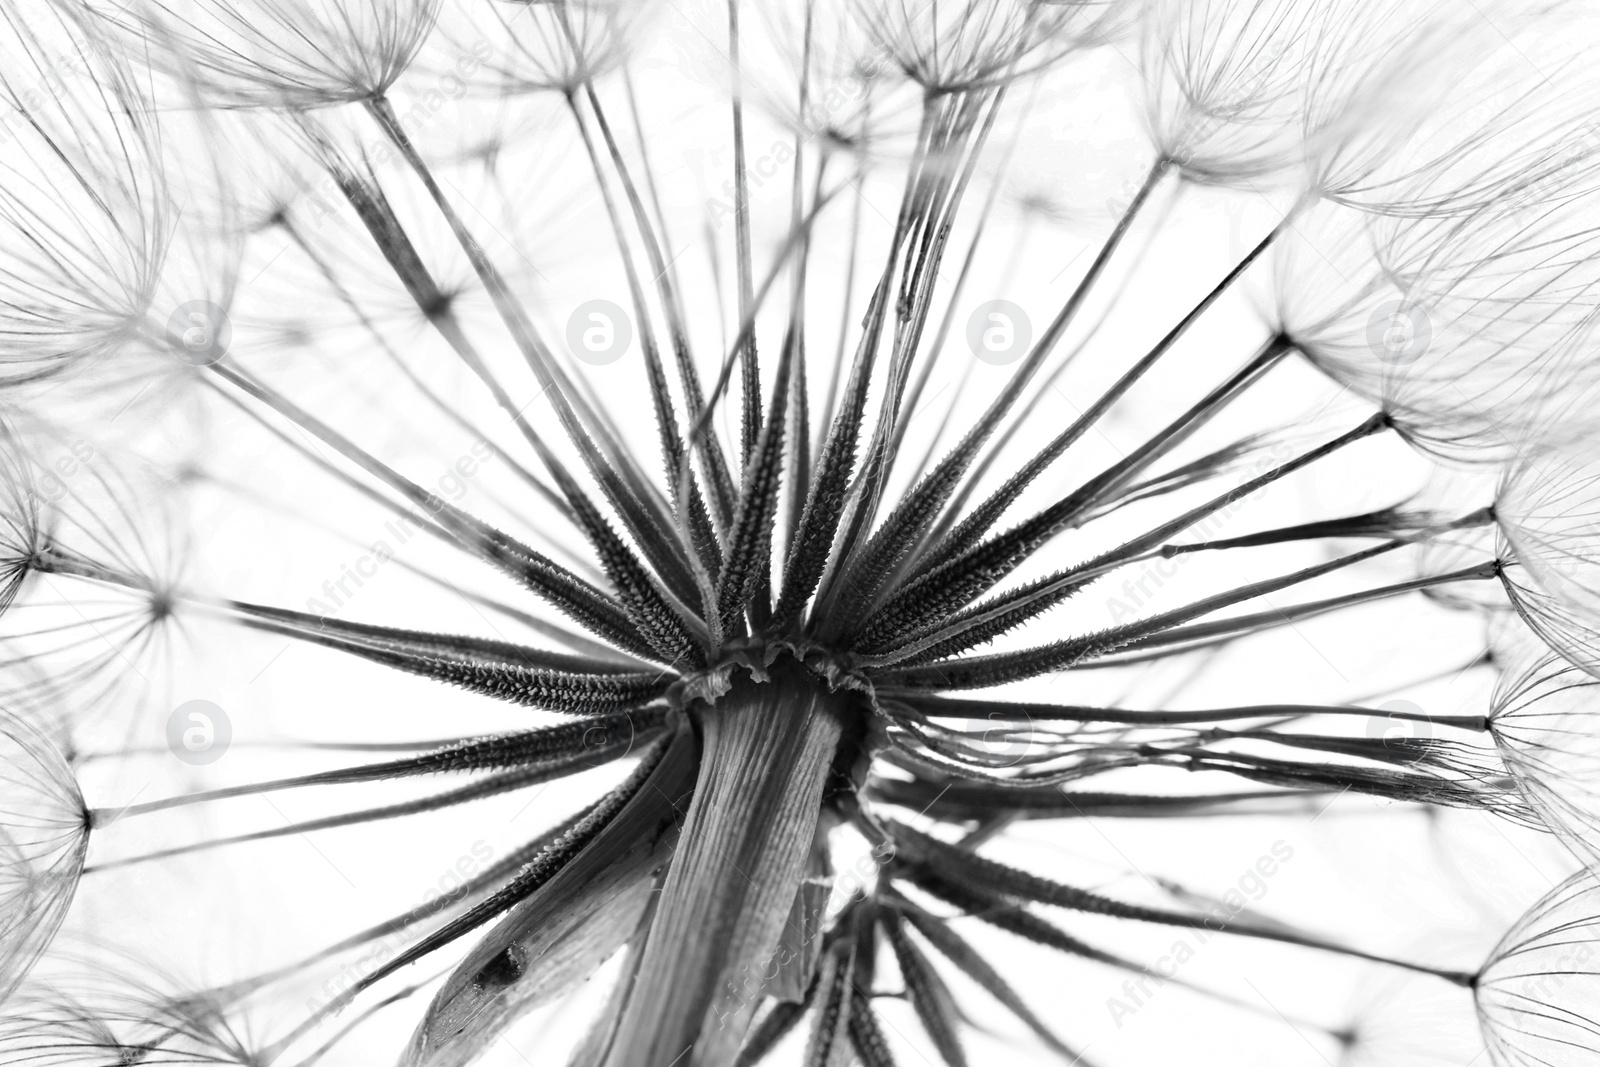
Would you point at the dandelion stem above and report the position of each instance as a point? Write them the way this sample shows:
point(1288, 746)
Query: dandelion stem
point(422, 642)
point(750, 421)
point(666, 418)
point(647, 516)
point(57, 559)
point(1023, 604)
point(969, 800)
point(970, 529)
point(493, 785)
point(1376, 424)
point(967, 708)
point(474, 886)
point(1283, 616)
point(970, 871)
point(739, 859)
point(792, 243)
point(549, 495)
point(598, 738)
point(981, 671)
point(664, 271)
point(911, 406)
point(831, 398)
point(913, 313)
point(565, 590)
point(538, 871)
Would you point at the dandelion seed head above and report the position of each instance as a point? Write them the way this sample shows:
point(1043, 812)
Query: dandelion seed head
point(297, 54)
point(988, 42)
point(1513, 647)
point(1546, 512)
point(22, 505)
point(82, 211)
point(485, 50)
point(1411, 1021)
point(829, 81)
point(1440, 111)
point(675, 499)
point(1472, 333)
point(1542, 718)
point(1536, 995)
point(102, 1005)
point(1223, 78)
point(43, 840)
point(1453, 495)
point(1506, 299)
point(80, 662)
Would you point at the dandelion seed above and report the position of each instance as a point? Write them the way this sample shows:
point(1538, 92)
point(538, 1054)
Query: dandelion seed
point(984, 43)
point(1542, 721)
point(1545, 510)
point(304, 54)
point(1536, 993)
point(539, 46)
point(42, 847)
point(82, 212)
point(1224, 85)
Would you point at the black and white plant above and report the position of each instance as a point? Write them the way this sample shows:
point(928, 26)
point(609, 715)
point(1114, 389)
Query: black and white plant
point(743, 433)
